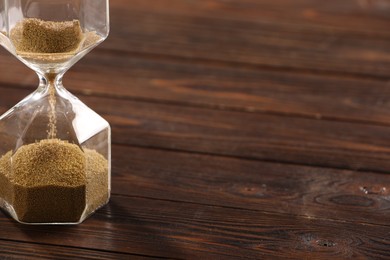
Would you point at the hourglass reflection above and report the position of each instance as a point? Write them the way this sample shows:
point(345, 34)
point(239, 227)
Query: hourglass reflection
point(55, 164)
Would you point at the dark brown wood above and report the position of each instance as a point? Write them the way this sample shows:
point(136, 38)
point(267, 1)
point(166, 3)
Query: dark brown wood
point(252, 136)
point(350, 15)
point(211, 180)
point(215, 87)
point(195, 32)
point(182, 230)
point(257, 41)
point(295, 140)
point(229, 119)
point(21, 250)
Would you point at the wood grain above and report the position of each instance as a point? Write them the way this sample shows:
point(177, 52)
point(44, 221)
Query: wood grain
point(295, 140)
point(195, 32)
point(36, 251)
point(252, 136)
point(312, 191)
point(229, 120)
point(368, 17)
point(182, 230)
point(255, 42)
point(211, 180)
point(215, 87)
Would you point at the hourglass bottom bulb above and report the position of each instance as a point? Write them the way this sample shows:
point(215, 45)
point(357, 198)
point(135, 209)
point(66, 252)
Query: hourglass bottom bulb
point(53, 181)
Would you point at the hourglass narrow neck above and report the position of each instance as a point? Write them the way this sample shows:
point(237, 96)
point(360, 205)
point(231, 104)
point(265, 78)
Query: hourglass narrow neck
point(50, 80)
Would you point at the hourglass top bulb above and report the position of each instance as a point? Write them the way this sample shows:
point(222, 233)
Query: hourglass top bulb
point(50, 36)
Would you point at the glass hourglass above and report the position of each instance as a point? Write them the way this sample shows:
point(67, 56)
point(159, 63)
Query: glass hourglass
point(55, 152)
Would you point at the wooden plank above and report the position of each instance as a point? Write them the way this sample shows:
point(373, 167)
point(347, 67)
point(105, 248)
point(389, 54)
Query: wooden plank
point(182, 230)
point(365, 194)
point(295, 140)
point(291, 94)
point(250, 225)
point(316, 192)
point(254, 41)
point(195, 31)
point(254, 136)
point(298, 190)
point(21, 250)
point(364, 16)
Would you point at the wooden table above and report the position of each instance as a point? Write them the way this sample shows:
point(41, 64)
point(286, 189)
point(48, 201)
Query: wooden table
point(241, 128)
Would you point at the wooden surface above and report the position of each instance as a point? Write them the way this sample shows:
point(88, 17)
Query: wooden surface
point(241, 129)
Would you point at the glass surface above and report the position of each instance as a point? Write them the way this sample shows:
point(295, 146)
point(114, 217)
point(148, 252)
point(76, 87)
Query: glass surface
point(55, 152)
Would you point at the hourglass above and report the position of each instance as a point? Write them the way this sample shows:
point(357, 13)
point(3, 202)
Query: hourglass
point(55, 164)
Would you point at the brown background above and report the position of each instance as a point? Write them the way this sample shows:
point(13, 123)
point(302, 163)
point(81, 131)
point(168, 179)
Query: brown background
point(241, 128)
